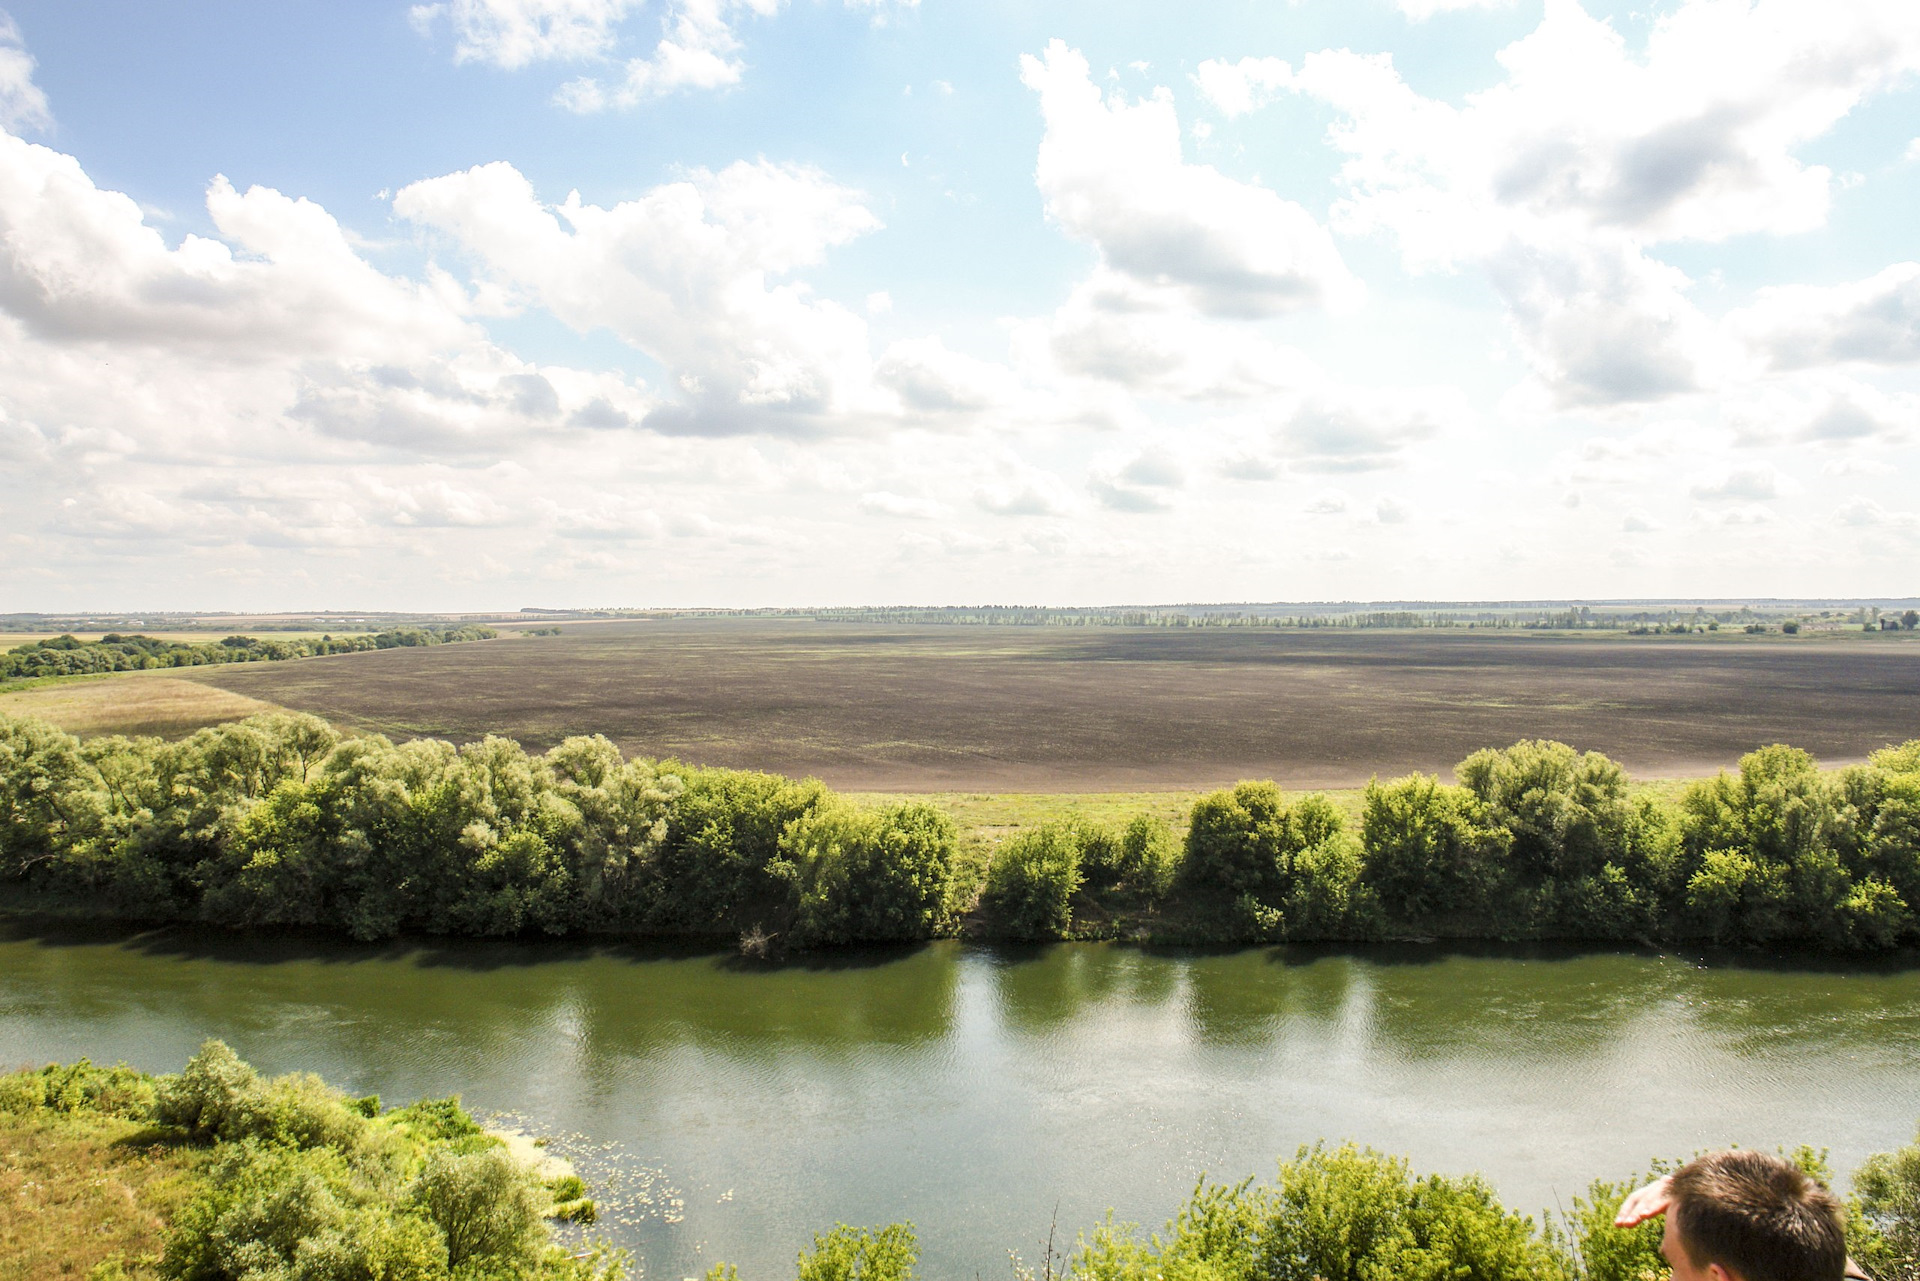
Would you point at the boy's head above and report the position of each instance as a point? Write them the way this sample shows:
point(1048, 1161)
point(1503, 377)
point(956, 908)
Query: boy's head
point(1747, 1216)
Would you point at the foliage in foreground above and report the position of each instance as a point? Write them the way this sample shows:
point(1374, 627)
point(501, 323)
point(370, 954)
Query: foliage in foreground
point(279, 820)
point(297, 1182)
point(292, 1180)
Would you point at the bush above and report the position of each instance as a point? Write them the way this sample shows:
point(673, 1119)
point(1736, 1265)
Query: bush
point(117, 1091)
point(486, 1205)
point(1150, 857)
point(1565, 813)
point(1886, 1209)
point(860, 1254)
point(1032, 881)
point(861, 875)
point(219, 1097)
point(1431, 853)
point(1291, 869)
point(1341, 1214)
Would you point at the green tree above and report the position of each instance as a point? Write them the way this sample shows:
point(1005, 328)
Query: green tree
point(1031, 883)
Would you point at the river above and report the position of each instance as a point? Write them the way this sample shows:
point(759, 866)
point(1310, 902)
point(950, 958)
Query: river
point(727, 1110)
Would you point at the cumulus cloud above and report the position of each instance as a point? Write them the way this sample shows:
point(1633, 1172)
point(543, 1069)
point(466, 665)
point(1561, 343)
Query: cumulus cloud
point(78, 263)
point(22, 103)
point(686, 273)
point(514, 33)
point(1744, 482)
point(1872, 321)
point(930, 379)
point(1146, 482)
point(1862, 511)
point(697, 50)
point(1346, 429)
point(1235, 88)
point(1016, 488)
point(1421, 10)
point(1559, 201)
point(1111, 173)
point(886, 503)
point(1640, 521)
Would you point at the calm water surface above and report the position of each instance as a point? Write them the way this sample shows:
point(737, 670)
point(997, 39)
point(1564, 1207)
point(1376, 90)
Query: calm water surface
point(727, 1111)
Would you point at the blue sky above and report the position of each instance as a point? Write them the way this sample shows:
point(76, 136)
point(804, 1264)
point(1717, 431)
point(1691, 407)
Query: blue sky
point(767, 302)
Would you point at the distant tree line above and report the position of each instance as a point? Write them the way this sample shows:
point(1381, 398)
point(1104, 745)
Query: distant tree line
point(114, 652)
point(280, 820)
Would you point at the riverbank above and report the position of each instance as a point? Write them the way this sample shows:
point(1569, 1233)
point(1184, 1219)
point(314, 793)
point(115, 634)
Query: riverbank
point(283, 821)
point(114, 1174)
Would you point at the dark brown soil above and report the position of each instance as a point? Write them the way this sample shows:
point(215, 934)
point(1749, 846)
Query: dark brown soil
point(1053, 709)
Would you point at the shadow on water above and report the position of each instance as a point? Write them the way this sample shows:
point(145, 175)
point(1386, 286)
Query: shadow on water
point(295, 945)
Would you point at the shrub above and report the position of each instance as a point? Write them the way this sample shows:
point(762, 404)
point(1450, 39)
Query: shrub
point(1565, 813)
point(860, 1254)
point(1341, 1214)
point(1032, 881)
point(1886, 1210)
point(487, 1205)
point(1149, 857)
point(1430, 852)
point(117, 1091)
point(862, 875)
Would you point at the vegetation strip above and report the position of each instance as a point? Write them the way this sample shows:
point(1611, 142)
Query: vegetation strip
point(280, 820)
point(216, 1174)
point(69, 656)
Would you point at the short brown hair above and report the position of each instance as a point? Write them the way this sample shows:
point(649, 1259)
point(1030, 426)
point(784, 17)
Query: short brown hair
point(1759, 1217)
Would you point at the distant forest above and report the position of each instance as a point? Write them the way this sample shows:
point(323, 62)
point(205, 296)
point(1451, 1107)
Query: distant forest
point(282, 820)
point(1637, 622)
point(70, 656)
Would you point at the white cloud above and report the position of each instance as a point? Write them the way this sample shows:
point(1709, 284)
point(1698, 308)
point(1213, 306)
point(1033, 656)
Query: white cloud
point(1145, 482)
point(930, 379)
point(1821, 407)
point(1018, 489)
point(1744, 482)
point(1391, 511)
point(1862, 511)
point(81, 264)
point(1235, 88)
point(885, 503)
point(1640, 521)
point(1421, 10)
point(696, 50)
point(1350, 429)
point(684, 274)
point(1874, 321)
point(514, 33)
point(1112, 174)
point(1743, 514)
point(23, 105)
point(1329, 503)
point(1559, 200)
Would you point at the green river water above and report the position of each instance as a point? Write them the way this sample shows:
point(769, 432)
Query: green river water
point(728, 1110)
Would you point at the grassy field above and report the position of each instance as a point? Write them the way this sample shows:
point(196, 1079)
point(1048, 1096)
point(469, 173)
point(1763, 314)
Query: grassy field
point(128, 703)
point(992, 711)
point(79, 1192)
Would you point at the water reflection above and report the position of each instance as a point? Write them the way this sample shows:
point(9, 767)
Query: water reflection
point(971, 1089)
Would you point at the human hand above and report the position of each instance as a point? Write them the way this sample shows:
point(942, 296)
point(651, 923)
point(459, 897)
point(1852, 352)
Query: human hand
point(1645, 1203)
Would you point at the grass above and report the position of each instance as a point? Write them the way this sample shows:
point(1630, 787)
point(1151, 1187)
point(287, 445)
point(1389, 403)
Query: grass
point(80, 1194)
point(994, 816)
point(127, 703)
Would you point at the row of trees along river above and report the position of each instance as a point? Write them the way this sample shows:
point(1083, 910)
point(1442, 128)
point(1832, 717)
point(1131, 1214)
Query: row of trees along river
point(281, 820)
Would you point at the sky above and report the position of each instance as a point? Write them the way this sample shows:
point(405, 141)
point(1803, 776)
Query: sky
point(482, 304)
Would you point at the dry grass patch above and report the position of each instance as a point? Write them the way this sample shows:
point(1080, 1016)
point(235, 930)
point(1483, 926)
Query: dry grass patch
point(130, 703)
point(85, 1193)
